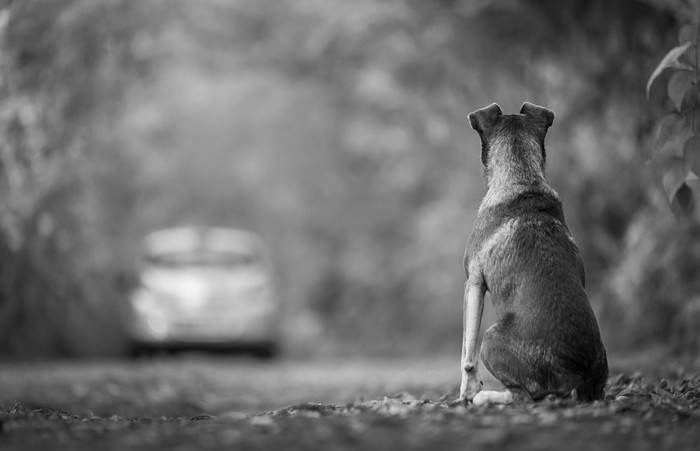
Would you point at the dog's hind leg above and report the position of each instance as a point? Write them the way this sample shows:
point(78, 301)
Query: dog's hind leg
point(501, 356)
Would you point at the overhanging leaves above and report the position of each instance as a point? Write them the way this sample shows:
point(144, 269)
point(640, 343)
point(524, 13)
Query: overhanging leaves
point(691, 154)
point(673, 132)
point(671, 60)
point(680, 86)
point(683, 202)
point(674, 174)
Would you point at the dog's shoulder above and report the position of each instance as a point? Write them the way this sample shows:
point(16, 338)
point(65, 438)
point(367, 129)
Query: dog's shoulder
point(526, 204)
point(488, 222)
point(536, 203)
point(499, 222)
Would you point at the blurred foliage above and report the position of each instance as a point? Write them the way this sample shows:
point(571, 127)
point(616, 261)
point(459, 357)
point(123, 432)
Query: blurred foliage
point(677, 148)
point(337, 131)
point(64, 69)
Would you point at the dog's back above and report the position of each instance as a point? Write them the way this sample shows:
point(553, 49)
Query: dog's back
point(546, 338)
point(534, 272)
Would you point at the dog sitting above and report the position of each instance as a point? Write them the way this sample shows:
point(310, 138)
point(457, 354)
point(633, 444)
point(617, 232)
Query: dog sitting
point(546, 340)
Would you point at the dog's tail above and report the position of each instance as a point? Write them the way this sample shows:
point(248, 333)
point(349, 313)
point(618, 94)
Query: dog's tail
point(563, 394)
point(591, 392)
point(593, 388)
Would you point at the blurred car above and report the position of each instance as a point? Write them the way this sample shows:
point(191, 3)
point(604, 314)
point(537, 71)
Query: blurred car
point(203, 288)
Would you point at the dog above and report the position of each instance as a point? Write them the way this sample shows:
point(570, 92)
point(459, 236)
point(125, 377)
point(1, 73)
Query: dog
point(546, 339)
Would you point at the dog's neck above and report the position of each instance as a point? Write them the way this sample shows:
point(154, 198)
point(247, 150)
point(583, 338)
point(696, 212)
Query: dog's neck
point(510, 174)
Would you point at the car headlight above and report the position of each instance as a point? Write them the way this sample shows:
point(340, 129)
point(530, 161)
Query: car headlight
point(150, 313)
point(144, 304)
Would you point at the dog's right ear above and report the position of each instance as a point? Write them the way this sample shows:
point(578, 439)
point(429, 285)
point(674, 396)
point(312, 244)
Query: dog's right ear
point(541, 115)
point(484, 119)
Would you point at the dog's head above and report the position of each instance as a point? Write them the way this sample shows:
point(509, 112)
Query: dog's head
point(512, 139)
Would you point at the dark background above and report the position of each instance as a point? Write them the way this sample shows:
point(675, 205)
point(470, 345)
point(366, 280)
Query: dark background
point(337, 130)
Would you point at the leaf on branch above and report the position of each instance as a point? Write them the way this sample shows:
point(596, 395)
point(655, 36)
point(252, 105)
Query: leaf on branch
point(674, 174)
point(683, 202)
point(691, 154)
point(673, 132)
point(671, 60)
point(693, 183)
point(680, 85)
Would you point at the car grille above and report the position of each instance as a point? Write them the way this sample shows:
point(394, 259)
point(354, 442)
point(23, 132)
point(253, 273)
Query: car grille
point(207, 327)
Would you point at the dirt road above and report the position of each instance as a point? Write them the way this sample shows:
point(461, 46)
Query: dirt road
point(205, 402)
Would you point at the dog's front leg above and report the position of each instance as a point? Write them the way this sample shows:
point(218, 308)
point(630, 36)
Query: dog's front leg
point(474, 292)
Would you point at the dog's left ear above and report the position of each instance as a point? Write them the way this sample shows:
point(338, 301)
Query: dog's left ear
point(542, 117)
point(484, 119)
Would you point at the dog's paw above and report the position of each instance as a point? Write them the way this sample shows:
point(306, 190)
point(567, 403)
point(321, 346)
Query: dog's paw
point(470, 387)
point(487, 397)
point(457, 402)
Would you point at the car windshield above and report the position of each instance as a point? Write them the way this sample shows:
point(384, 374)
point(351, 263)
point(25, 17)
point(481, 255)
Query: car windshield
point(202, 259)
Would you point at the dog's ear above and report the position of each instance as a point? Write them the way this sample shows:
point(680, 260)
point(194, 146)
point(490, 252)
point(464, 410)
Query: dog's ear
point(542, 117)
point(484, 119)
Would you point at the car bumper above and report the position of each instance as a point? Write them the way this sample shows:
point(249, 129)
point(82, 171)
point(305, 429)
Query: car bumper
point(210, 332)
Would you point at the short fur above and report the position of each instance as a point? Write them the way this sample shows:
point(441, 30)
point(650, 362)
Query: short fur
point(546, 339)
